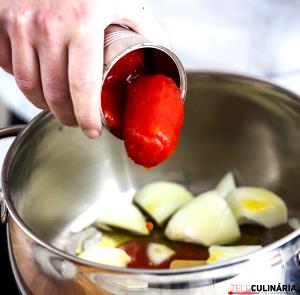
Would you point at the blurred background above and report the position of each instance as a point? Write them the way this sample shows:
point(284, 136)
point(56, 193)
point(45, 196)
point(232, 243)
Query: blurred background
point(257, 37)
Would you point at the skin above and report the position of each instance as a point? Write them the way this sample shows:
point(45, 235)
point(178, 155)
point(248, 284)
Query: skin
point(54, 48)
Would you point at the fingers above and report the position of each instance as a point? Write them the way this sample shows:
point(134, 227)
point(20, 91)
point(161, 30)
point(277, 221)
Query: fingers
point(5, 53)
point(54, 76)
point(85, 79)
point(26, 68)
point(56, 53)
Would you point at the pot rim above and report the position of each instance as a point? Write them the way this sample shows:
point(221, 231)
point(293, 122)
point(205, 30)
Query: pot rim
point(123, 270)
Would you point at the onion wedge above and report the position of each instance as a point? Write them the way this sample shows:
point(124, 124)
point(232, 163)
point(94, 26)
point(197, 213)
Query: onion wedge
point(226, 185)
point(206, 220)
point(257, 205)
point(159, 253)
point(221, 253)
point(122, 215)
point(161, 199)
point(109, 256)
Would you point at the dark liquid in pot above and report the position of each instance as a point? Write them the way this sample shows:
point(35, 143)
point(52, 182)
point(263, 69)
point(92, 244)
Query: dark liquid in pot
point(137, 250)
point(250, 235)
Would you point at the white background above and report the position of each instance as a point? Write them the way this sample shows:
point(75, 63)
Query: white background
point(260, 37)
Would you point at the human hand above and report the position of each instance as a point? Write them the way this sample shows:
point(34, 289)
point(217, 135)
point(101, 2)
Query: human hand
point(55, 51)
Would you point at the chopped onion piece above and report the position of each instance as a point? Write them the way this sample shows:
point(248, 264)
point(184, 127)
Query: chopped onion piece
point(257, 205)
point(113, 240)
point(178, 263)
point(221, 253)
point(206, 220)
point(109, 256)
point(226, 185)
point(294, 223)
point(122, 215)
point(159, 253)
point(161, 199)
point(103, 226)
point(76, 240)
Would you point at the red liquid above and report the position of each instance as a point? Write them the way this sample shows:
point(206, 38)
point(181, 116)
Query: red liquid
point(137, 250)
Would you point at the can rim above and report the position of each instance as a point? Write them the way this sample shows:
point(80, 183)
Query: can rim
point(145, 45)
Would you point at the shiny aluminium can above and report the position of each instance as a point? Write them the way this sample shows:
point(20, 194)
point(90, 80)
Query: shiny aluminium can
point(120, 40)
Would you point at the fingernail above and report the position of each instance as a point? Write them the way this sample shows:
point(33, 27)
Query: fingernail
point(91, 133)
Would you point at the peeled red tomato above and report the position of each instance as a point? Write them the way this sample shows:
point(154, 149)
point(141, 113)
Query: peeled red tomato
point(144, 110)
point(152, 120)
point(114, 93)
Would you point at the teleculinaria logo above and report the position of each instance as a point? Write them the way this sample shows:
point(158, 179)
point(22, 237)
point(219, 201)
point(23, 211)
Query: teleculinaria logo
point(263, 289)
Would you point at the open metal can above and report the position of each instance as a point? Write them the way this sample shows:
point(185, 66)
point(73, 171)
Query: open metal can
point(120, 40)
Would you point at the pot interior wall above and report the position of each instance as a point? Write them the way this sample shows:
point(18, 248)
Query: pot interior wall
point(230, 124)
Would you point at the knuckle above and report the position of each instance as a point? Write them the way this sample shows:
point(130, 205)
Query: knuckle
point(86, 29)
point(39, 102)
point(80, 84)
point(82, 13)
point(16, 21)
point(44, 22)
point(54, 93)
point(26, 84)
point(9, 18)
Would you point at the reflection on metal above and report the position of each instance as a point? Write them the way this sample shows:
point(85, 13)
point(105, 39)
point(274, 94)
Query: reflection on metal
point(4, 212)
point(52, 174)
point(4, 133)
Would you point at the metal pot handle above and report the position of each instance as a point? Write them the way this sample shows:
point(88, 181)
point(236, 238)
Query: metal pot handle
point(11, 131)
point(4, 133)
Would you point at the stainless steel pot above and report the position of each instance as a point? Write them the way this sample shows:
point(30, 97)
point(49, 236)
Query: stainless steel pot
point(52, 174)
